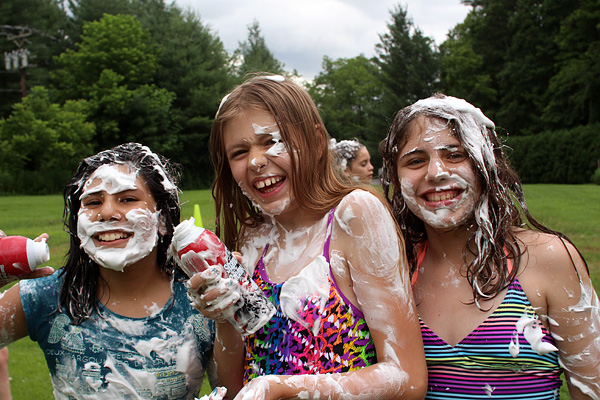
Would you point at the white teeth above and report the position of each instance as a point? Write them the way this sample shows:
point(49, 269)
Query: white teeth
point(109, 237)
point(267, 182)
point(441, 196)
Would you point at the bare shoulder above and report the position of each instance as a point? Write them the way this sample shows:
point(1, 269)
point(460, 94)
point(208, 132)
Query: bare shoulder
point(551, 268)
point(360, 208)
point(549, 253)
point(365, 231)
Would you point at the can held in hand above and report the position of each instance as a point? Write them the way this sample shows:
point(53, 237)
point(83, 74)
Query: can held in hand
point(253, 309)
point(19, 256)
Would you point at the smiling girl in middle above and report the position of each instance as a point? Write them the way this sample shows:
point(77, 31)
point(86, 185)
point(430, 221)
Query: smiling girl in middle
point(326, 254)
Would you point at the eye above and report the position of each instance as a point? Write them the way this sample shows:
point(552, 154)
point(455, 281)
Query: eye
point(414, 162)
point(129, 199)
point(237, 154)
point(457, 156)
point(91, 202)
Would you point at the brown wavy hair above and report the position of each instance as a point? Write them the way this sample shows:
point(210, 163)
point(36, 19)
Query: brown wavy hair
point(502, 202)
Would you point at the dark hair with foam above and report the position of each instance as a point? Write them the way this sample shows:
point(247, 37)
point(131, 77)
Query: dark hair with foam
point(81, 274)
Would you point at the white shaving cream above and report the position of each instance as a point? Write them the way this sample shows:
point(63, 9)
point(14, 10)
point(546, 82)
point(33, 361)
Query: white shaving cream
point(143, 224)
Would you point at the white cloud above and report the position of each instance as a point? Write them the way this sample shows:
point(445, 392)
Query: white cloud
point(301, 32)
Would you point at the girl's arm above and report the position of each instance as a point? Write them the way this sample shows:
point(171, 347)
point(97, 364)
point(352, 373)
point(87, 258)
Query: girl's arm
point(212, 295)
point(365, 241)
point(13, 324)
point(558, 286)
point(573, 309)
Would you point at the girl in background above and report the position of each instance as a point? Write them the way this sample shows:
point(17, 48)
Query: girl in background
point(504, 302)
point(326, 254)
point(354, 160)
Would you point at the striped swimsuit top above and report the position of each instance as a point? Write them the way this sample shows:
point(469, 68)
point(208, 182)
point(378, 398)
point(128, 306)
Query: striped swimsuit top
point(510, 355)
point(327, 335)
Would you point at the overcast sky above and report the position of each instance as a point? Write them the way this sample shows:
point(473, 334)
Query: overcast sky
point(300, 32)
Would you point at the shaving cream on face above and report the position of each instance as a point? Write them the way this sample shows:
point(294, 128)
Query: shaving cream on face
point(434, 139)
point(277, 151)
point(141, 223)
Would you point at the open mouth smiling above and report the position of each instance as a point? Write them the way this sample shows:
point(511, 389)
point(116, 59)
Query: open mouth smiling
point(269, 184)
point(112, 236)
point(435, 197)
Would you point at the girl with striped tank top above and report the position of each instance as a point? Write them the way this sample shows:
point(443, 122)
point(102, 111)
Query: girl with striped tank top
point(325, 252)
point(506, 305)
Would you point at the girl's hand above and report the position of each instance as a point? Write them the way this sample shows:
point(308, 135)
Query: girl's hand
point(36, 273)
point(212, 294)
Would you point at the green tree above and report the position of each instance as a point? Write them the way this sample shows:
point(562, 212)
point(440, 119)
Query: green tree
point(462, 74)
point(409, 64)
point(348, 92)
point(502, 57)
point(529, 63)
point(191, 63)
point(113, 68)
point(253, 55)
point(41, 143)
point(574, 91)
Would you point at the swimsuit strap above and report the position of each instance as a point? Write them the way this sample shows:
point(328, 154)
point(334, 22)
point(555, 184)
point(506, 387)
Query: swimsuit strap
point(328, 238)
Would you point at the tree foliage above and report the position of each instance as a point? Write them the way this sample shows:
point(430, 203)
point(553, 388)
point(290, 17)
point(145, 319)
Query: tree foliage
point(112, 67)
point(43, 22)
point(409, 63)
point(144, 70)
point(253, 55)
point(191, 64)
point(41, 143)
point(573, 96)
point(348, 93)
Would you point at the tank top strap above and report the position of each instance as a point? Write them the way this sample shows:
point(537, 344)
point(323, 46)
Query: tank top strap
point(328, 233)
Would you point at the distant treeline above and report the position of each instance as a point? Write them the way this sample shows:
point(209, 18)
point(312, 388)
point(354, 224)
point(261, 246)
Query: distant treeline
point(97, 73)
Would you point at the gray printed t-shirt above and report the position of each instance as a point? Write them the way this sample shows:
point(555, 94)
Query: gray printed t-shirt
point(109, 356)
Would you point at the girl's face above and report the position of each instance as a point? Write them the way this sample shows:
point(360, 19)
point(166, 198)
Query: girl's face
point(259, 161)
point(361, 167)
point(117, 223)
point(437, 178)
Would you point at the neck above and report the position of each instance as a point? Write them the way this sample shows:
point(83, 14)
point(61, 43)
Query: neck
point(136, 280)
point(448, 243)
point(298, 220)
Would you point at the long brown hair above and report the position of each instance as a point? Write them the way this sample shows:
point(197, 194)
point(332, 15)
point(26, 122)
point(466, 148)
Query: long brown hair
point(317, 187)
point(498, 211)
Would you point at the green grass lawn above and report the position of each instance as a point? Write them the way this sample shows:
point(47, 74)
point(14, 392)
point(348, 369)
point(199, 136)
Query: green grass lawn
point(572, 209)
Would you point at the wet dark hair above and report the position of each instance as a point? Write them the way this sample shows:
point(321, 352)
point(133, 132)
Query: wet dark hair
point(500, 208)
point(78, 293)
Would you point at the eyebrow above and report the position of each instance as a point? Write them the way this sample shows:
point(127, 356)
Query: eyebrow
point(410, 153)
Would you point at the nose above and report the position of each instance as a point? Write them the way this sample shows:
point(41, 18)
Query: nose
point(436, 170)
point(257, 160)
point(109, 211)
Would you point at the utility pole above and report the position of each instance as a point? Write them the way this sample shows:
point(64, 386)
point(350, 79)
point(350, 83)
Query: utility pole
point(17, 60)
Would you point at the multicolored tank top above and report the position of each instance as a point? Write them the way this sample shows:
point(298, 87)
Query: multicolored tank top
point(496, 360)
point(325, 339)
